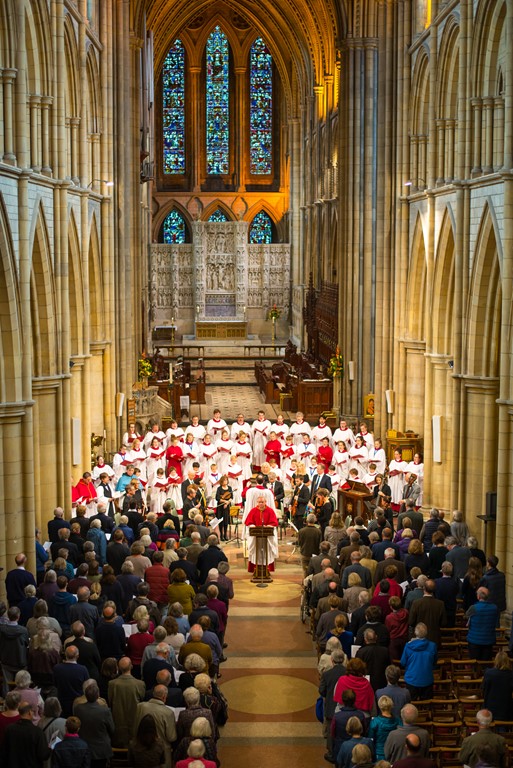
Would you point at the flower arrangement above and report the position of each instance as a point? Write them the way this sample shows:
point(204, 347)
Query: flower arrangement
point(336, 365)
point(145, 368)
point(274, 313)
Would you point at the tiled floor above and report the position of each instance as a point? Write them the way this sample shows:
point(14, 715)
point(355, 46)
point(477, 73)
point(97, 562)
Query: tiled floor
point(270, 678)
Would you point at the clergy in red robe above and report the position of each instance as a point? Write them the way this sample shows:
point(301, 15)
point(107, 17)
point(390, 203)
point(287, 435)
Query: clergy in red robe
point(261, 515)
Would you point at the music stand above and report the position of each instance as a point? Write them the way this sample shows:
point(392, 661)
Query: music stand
point(261, 573)
point(234, 518)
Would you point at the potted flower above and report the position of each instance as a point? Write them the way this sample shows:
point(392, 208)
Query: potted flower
point(336, 365)
point(145, 369)
point(273, 315)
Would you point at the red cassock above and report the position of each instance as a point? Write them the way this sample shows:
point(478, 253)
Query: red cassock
point(256, 517)
point(85, 490)
point(272, 450)
point(325, 455)
point(174, 456)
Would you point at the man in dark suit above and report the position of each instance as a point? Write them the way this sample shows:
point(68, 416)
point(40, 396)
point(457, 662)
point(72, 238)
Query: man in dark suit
point(320, 480)
point(57, 522)
point(63, 542)
point(107, 522)
point(300, 501)
point(17, 579)
point(429, 611)
point(276, 487)
point(390, 559)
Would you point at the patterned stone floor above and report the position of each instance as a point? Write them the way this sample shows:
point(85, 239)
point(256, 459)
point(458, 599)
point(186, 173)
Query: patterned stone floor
point(270, 678)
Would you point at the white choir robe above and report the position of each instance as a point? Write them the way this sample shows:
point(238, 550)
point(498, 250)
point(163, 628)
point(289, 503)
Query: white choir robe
point(417, 469)
point(215, 428)
point(235, 482)
point(97, 471)
point(282, 430)
point(370, 480)
point(178, 432)
point(298, 430)
point(346, 435)
point(260, 431)
point(156, 459)
point(368, 440)
point(175, 490)
point(336, 482)
point(224, 450)
point(379, 458)
point(118, 465)
point(207, 457)
point(319, 432)
point(158, 496)
point(197, 432)
point(211, 486)
point(359, 459)
point(396, 482)
point(288, 454)
point(341, 462)
point(237, 428)
point(191, 454)
point(129, 437)
point(138, 459)
point(305, 453)
point(149, 437)
point(272, 548)
point(244, 455)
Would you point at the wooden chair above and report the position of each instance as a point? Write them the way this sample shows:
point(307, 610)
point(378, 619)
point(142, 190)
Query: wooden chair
point(445, 710)
point(465, 687)
point(505, 729)
point(482, 666)
point(449, 651)
point(463, 668)
point(469, 706)
point(443, 688)
point(447, 757)
point(119, 758)
point(470, 726)
point(446, 734)
point(424, 710)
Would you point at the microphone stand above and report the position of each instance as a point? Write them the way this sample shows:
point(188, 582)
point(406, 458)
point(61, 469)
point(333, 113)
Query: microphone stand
point(262, 583)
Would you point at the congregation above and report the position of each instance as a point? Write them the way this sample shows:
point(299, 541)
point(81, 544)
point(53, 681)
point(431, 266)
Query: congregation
point(118, 638)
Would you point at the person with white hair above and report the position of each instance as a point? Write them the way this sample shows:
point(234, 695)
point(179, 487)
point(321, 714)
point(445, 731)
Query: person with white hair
point(471, 746)
point(261, 515)
point(23, 682)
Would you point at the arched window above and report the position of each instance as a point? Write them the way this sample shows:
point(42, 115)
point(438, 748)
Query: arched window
point(261, 229)
point(174, 228)
point(260, 109)
point(173, 109)
point(218, 103)
point(218, 215)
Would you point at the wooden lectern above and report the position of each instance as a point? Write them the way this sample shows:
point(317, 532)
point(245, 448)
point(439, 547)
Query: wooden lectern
point(261, 534)
point(352, 501)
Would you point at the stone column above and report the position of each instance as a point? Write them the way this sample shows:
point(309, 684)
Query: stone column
point(498, 162)
point(2, 121)
point(46, 102)
point(9, 76)
point(441, 153)
point(488, 134)
point(35, 157)
point(75, 150)
point(476, 117)
point(450, 127)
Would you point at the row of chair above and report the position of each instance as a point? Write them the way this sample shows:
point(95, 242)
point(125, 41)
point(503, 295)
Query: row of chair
point(448, 757)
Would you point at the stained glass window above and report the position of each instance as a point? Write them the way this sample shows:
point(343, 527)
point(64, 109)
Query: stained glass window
point(173, 109)
point(174, 228)
point(218, 215)
point(261, 229)
point(218, 102)
point(261, 109)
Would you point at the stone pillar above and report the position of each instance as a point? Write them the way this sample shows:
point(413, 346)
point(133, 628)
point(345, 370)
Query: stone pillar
point(9, 76)
point(476, 119)
point(46, 102)
point(488, 134)
point(441, 153)
point(35, 157)
point(450, 127)
point(75, 150)
point(498, 133)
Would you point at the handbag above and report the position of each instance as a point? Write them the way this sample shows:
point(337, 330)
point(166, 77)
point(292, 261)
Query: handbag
point(319, 709)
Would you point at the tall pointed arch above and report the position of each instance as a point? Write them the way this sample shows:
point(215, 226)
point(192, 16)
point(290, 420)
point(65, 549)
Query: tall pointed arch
point(10, 348)
point(44, 322)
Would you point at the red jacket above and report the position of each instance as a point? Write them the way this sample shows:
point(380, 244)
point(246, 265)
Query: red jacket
point(397, 623)
point(157, 576)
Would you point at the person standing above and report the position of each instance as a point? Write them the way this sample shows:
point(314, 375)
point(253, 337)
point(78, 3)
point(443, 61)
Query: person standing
point(25, 744)
point(419, 659)
point(96, 726)
point(261, 515)
point(309, 541)
point(17, 579)
point(483, 618)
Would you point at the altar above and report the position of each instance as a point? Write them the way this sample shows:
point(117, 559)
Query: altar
point(220, 286)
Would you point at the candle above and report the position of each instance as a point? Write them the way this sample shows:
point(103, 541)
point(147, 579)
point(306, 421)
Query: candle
point(170, 373)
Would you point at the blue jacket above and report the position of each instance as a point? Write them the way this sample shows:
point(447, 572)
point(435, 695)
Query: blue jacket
point(97, 536)
point(483, 619)
point(419, 658)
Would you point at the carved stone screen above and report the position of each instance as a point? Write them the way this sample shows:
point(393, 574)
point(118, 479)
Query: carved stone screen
point(220, 277)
